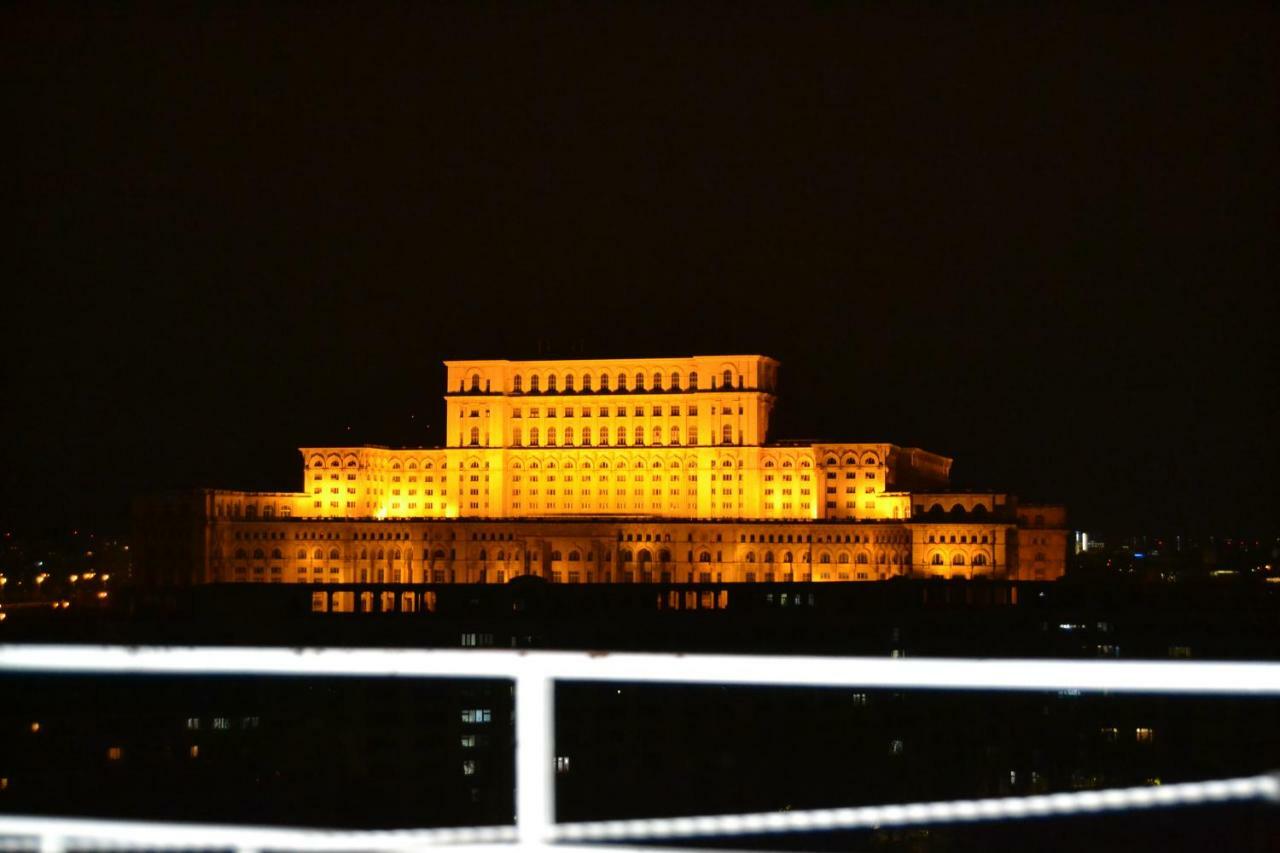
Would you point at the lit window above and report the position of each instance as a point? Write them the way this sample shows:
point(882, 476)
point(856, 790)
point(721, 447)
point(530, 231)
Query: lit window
point(114, 753)
point(1144, 735)
point(468, 768)
point(562, 764)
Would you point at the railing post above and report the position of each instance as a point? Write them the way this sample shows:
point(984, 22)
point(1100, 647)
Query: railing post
point(535, 756)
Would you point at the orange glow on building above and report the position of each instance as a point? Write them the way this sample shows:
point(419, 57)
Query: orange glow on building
point(616, 471)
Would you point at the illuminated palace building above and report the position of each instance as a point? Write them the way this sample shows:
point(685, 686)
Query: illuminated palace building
point(614, 471)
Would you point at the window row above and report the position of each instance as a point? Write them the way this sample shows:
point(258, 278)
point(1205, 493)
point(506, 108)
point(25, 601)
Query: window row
point(958, 560)
point(619, 382)
point(569, 437)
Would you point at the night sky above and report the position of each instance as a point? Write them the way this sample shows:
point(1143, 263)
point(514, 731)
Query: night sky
point(1041, 241)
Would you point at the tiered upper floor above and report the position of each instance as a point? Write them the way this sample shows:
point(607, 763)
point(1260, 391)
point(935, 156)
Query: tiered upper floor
point(670, 402)
point(670, 438)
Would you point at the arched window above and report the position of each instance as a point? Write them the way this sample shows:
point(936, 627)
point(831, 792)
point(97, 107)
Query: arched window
point(657, 435)
point(302, 553)
point(475, 382)
point(639, 436)
point(475, 436)
point(727, 378)
point(622, 435)
point(786, 557)
point(574, 556)
point(622, 381)
point(664, 556)
point(484, 555)
point(657, 381)
point(768, 556)
point(604, 436)
point(957, 560)
point(568, 382)
point(675, 381)
point(319, 554)
point(333, 554)
point(551, 436)
point(625, 556)
point(862, 560)
point(937, 560)
point(751, 557)
point(517, 384)
point(240, 554)
point(675, 435)
point(568, 436)
point(551, 382)
point(586, 382)
point(645, 556)
point(586, 438)
point(533, 437)
point(843, 559)
point(380, 555)
point(979, 559)
point(604, 382)
point(533, 383)
point(704, 557)
point(502, 555)
point(693, 380)
point(555, 556)
point(824, 559)
point(727, 433)
point(515, 436)
point(639, 381)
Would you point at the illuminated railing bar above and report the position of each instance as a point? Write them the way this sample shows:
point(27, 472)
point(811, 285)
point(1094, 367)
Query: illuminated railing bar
point(82, 834)
point(1217, 792)
point(85, 834)
point(535, 674)
point(906, 673)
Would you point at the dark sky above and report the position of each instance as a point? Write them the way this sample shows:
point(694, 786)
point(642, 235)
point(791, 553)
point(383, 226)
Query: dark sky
point(1042, 241)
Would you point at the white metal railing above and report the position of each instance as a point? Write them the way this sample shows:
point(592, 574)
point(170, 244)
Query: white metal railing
point(535, 674)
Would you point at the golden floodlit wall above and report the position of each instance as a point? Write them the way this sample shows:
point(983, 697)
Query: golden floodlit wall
point(557, 465)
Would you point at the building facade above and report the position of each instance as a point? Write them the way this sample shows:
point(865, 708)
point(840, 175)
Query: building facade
point(614, 471)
